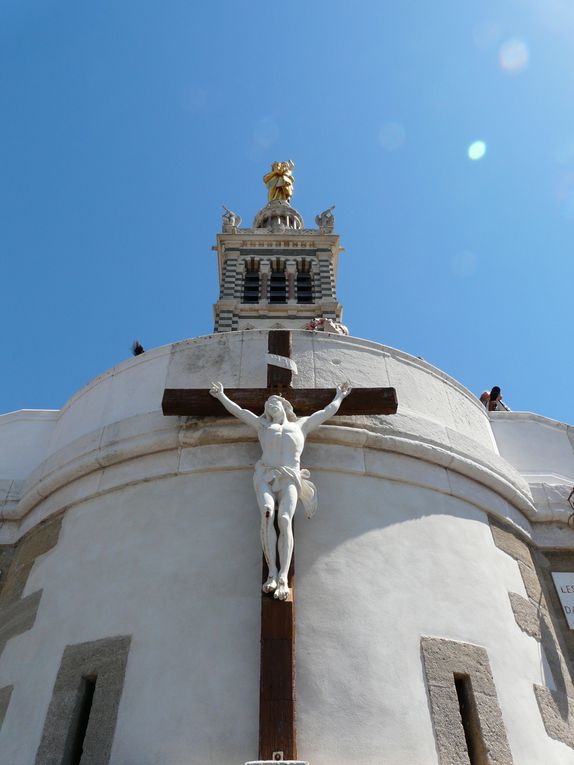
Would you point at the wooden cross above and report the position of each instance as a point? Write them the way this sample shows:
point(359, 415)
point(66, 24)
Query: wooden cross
point(277, 731)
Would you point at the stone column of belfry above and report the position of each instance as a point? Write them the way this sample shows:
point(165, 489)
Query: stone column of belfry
point(316, 281)
point(239, 279)
point(264, 270)
point(291, 272)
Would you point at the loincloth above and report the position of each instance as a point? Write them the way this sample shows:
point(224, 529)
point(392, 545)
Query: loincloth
point(306, 489)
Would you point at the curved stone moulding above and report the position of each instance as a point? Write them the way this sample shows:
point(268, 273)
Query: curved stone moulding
point(151, 447)
point(277, 762)
point(317, 352)
point(439, 424)
point(431, 402)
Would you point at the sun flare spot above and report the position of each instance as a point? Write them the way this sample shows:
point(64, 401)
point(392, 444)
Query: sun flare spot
point(477, 150)
point(392, 136)
point(514, 56)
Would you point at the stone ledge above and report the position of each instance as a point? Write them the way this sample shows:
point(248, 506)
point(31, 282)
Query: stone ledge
point(277, 762)
point(61, 484)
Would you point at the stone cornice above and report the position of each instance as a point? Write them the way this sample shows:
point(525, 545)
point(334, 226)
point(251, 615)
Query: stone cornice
point(151, 447)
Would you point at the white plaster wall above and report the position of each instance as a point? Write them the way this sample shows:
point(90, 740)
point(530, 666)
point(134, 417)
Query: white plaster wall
point(438, 419)
point(432, 405)
point(539, 448)
point(28, 436)
point(176, 563)
point(237, 359)
point(134, 387)
point(430, 402)
point(380, 565)
point(24, 439)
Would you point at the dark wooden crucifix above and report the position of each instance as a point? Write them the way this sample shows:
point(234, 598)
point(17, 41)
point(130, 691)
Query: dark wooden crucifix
point(277, 732)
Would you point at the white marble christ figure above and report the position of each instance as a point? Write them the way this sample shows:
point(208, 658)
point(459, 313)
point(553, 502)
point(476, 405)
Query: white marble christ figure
point(278, 479)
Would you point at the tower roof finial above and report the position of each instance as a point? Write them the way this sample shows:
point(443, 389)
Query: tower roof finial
point(280, 181)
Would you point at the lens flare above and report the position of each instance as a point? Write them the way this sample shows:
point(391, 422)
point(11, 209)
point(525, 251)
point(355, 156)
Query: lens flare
point(477, 150)
point(392, 136)
point(514, 56)
point(463, 263)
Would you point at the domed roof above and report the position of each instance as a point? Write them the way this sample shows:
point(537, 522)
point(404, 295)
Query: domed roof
point(277, 216)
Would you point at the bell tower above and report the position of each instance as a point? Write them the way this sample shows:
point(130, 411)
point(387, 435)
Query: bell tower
point(278, 274)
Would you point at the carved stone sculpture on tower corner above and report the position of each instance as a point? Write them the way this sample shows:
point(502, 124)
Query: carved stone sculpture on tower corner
point(231, 220)
point(326, 221)
point(279, 480)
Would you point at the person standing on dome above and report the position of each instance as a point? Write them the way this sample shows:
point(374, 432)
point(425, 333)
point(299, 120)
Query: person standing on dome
point(495, 402)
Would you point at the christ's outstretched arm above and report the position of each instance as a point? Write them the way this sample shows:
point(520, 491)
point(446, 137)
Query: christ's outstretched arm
point(318, 418)
point(242, 414)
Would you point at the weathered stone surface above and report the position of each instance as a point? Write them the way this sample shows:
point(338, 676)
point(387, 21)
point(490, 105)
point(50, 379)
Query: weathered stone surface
point(526, 614)
point(447, 724)
point(18, 617)
point(508, 541)
point(541, 617)
point(5, 695)
point(37, 542)
point(557, 711)
point(6, 555)
point(105, 659)
point(443, 659)
point(559, 638)
point(532, 584)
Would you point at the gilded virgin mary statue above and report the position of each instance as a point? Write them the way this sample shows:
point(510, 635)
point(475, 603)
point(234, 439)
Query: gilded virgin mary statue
point(280, 181)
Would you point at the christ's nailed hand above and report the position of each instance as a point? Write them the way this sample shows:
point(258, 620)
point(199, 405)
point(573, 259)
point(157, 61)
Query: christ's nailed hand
point(216, 389)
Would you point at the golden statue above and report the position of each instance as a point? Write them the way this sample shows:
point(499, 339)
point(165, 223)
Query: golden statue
point(280, 181)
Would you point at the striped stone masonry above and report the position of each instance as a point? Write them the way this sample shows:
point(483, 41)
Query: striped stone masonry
point(293, 251)
point(316, 281)
point(239, 280)
point(327, 278)
point(228, 282)
point(225, 321)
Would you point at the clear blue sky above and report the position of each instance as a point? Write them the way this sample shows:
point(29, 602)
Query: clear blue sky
point(125, 126)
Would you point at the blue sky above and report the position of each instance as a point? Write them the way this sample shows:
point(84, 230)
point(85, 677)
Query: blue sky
point(126, 125)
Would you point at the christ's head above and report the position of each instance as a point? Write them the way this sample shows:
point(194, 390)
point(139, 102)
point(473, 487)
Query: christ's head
point(278, 409)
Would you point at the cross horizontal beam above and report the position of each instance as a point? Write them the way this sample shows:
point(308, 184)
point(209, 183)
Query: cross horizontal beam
point(198, 402)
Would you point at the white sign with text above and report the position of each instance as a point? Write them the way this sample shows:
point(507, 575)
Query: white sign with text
point(564, 583)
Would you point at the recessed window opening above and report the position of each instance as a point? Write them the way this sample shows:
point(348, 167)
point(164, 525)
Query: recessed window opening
point(304, 283)
point(251, 282)
point(79, 724)
point(277, 282)
point(470, 720)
